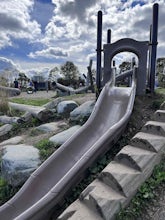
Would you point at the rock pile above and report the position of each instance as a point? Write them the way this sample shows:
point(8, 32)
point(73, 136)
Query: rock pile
point(19, 160)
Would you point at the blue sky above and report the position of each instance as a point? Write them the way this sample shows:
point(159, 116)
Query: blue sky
point(47, 33)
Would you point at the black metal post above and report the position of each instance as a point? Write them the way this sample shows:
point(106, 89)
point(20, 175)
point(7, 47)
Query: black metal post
point(99, 49)
point(149, 60)
point(154, 46)
point(109, 36)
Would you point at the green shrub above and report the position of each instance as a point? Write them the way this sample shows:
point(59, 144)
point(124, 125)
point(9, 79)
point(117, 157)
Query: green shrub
point(34, 102)
point(46, 148)
point(6, 191)
point(161, 80)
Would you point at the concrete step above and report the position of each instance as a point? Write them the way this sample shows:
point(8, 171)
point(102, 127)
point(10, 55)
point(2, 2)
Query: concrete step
point(119, 181)
point(159, 115)
point(102, 199)
point(79, 211)
point(146, 141)
point(138, 157)
point(154, 127)
point(123, 177)
point(97, 202)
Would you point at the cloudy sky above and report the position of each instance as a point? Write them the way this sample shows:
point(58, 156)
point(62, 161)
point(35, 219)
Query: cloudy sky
point(46, 33)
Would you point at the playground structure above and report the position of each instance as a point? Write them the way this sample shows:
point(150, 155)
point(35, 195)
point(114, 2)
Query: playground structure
point(140, 48)
point(43, 191)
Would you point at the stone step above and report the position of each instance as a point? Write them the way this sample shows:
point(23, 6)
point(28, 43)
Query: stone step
point(120, 177)
point(154, 127)
point(159, 115)
point(137, 157)
point(79, 211)
point(102, 199)
point(119, 181)
point(146, 141)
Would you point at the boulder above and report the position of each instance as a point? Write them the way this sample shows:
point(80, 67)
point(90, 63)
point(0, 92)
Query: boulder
point(65, 107)
point(5, 129)
point(82, 113)
point(52, 104)
point(51, 127)
point(18, 162)
point(8, 91)
point(13, 140)
point(10, 120)
point(63, 136)
point(26, 117)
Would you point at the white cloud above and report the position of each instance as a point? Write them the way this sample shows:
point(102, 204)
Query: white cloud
point(15, 21)
point(71, 32)
point(51, 52)
point(7, 64)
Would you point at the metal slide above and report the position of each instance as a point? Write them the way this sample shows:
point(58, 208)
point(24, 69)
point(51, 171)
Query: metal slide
point(50, 182)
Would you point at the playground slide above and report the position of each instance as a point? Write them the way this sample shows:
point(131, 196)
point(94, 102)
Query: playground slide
point(49, 183)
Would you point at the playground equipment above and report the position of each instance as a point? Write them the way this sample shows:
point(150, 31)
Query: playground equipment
point(45, 188)
point(140, 48)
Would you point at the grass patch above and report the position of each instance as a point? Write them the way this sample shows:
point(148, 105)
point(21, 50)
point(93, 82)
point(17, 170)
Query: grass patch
point(6, 191)
point(34, 132)
point(16, 112)
point(160, 91)
point(34, 102)
point(145, 194)
point(46, 148)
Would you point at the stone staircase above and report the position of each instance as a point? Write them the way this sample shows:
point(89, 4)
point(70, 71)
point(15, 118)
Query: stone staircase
point(121, 178)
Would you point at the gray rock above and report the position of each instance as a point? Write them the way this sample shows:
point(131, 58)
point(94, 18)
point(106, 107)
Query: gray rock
point(63, 136)
point(18, 162)
point(50, 127)
point(8, 91)
point(14, 140)
point(65, 107)
point(52, 104)
point(26, 117)
point(10, 120)
point(82, 113)
point(5, 129)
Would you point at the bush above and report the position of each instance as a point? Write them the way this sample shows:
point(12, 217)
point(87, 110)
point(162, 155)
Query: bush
point(46, 148)
point(161, 80)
